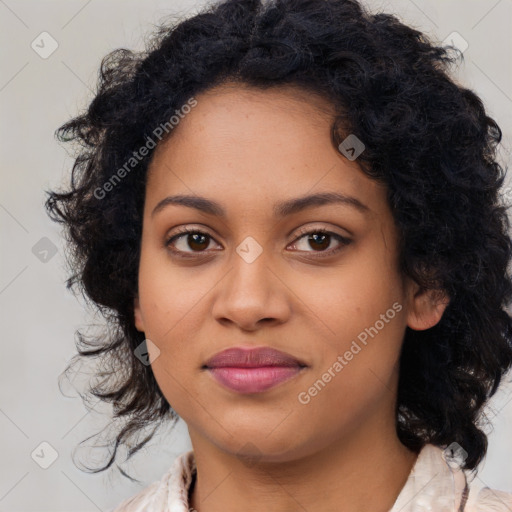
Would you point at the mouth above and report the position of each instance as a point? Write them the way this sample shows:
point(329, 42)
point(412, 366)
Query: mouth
point(253, 370)
point(253, 380)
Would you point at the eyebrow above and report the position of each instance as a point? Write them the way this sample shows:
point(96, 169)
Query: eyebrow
point(282, 209)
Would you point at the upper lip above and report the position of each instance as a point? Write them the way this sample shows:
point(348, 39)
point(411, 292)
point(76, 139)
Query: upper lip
point(241, 357)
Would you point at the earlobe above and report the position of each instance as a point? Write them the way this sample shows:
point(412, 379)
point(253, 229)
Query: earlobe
point(139, 324)
point(426, 308)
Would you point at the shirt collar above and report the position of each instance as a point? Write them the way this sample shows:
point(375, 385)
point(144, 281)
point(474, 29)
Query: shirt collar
point(432, 485)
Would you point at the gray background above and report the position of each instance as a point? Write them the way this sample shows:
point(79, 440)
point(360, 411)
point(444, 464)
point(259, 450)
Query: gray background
point(39, 316)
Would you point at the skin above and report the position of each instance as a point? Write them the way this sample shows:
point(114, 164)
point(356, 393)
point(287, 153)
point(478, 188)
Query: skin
point(248, 149)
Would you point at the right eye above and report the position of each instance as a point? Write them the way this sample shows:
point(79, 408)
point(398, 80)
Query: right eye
point(189, 238)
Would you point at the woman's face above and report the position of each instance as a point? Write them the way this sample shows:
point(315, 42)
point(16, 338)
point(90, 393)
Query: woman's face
point(252, 277)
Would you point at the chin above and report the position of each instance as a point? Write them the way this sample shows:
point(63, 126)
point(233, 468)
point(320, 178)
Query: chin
point(256, 448)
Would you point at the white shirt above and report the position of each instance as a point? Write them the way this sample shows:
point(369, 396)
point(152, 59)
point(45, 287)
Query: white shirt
point(433, 486)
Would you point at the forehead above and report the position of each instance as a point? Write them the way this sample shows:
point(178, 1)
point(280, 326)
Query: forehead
point(238, 112)
point(244, 142)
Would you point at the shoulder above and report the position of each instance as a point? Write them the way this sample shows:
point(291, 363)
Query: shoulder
point(437, 482)
point(482, 498)
point(168, 493)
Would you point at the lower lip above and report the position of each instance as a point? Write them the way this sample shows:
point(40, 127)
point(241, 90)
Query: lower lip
point(253, 380)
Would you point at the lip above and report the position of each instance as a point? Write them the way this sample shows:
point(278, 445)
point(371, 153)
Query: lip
point(243, 357)
point(253, 370)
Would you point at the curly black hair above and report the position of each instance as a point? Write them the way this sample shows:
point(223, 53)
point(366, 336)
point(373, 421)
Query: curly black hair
point(426, 137)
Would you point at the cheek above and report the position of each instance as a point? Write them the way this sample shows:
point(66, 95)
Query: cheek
point(170, 312)
point(177, 367)
point(354, 379)
point(342, 405)
point(361, 319)
point(344, 302)
point(167, 295)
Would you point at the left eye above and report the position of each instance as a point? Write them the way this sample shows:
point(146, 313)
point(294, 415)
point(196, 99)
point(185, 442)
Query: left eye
point(322, 239)
point(319, 239)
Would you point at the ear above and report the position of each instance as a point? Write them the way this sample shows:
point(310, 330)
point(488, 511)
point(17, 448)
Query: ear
point(139, 324)
point(426, 307)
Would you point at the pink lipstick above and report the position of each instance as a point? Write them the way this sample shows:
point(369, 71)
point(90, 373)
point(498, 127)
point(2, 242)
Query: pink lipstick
point(253, 370)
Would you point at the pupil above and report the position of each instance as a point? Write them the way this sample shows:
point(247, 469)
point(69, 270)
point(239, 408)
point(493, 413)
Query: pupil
point(199, 235)
point(322, 235)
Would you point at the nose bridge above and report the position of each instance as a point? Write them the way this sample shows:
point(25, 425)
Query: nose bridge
point(250, 267)
point(251, 290)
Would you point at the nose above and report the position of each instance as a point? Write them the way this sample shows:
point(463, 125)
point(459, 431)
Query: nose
point(252, 294)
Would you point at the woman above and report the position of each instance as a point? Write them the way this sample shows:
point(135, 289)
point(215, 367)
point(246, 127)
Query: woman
point(291, 213)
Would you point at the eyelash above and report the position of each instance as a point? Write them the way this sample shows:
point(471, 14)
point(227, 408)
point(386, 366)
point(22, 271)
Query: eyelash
point(186, 231)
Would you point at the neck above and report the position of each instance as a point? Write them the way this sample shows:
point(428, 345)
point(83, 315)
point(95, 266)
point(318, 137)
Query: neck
point(364, 472)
